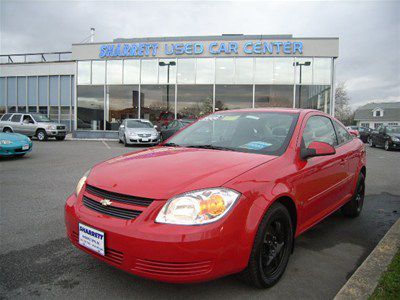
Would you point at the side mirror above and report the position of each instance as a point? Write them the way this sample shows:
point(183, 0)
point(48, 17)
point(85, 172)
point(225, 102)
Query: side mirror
point(317, 149)
point(155, 126)
point(354, 133)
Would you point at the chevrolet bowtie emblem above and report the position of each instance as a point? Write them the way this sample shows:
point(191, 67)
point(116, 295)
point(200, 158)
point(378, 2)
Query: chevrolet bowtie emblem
point(105, 202)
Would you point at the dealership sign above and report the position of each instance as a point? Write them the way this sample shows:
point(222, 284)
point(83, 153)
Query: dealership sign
point(196, 48)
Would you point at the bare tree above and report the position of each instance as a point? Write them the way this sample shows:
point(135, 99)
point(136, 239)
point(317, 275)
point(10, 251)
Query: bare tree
point(343, 111)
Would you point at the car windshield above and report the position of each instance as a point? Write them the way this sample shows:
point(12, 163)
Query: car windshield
point(138, 124)
point(254, 132)
point(395, 129)
point(41, 118)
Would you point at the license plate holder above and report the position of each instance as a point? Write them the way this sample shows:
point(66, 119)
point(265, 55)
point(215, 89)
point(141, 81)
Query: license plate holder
point(91, 238)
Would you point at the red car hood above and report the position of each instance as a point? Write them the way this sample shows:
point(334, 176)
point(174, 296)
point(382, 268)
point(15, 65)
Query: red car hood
point(163, 172)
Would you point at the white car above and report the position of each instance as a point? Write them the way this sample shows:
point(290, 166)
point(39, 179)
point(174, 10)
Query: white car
point(138, 132)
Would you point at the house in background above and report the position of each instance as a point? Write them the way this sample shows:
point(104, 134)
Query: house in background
point(373, 115)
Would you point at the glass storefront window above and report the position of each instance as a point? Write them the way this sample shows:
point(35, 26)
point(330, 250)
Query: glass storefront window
point(273, 96)
point(21, 108)
point(65, 91)
point(244, 70)
point(131, 71)
point(114, 72)
point(322, 70)
point(43, 91)
point(225, 70)
point(157, 103)
point(83, 72)
point(205, 70)
point(123, 102)
point(194, 101)
point(32, 109)
point(186, 70)
point(65, 113)
point(314, 97)
point(12, 91)
point(163, 76)
point(149, 71)
point(90, 107)
point(264, 70)
point(283, 71)
point(43, 110)
point(2, 94)
point(32, 91)
point(98, 72)
point(53, 90)
point(21, 91)
point(233, 96)
point(306, 70)
point(54, 113)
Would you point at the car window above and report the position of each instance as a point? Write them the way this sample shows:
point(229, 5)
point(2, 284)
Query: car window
point(16, 118)
point(138, 124)
point(5, 117)
point(394, 129)
point(172, 125)
point(343, 135)
point(319, 129)
point(27, 119)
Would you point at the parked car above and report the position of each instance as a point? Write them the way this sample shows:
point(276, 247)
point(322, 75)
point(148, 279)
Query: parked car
point(173, 127)
point(14, 144)
point(387, 137)
point(227, 194)
point(138, 132)
point(33, 124)
point(364, 132)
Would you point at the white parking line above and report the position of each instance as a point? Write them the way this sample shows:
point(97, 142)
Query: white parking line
point(106, 144)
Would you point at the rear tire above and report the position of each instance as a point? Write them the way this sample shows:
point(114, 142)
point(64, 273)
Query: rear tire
point(271, 250)
point(60, 138)
point(353, 208)
point(41, 135)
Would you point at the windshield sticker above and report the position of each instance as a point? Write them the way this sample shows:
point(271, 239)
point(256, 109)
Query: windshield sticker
point(230, 118)
point(256, 145)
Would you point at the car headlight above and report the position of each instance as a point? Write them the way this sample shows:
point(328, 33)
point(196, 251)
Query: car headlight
point(51, 127)
point(81, 182)
point(395, 139)
point(5, 142)
point(198, 207)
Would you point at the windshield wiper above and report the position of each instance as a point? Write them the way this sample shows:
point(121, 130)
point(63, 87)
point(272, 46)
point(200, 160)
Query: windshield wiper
point(171, 145)
point(210, 147)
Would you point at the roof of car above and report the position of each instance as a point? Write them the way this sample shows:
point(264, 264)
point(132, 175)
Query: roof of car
point(270, 109)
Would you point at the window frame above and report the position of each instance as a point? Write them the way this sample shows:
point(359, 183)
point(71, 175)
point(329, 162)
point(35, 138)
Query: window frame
point(337, 136)
point(306, 119)
point(20, 117)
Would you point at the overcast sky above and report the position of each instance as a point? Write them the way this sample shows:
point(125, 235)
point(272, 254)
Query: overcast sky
point(369, 31)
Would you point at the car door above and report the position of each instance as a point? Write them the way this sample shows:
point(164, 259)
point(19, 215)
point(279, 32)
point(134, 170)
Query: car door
point(28, 125)
point(16, 124)
point(322, 177)
point(170, 130)
point(381, 136)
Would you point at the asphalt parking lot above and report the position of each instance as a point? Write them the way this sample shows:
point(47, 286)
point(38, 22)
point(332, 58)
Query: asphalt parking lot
point(37, 260)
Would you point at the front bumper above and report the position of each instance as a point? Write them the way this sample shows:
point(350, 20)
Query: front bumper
point(11, 150)
point(164, 252)
point(394, 145)
point(56, 133)
point(142, 141)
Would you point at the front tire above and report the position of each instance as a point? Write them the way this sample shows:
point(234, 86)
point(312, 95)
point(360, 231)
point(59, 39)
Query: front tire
point(353, 208)
point(41, 135)
point(124, 141)
point(271, 250)
point(371, 143)
point(387, 146)
point(7, 130)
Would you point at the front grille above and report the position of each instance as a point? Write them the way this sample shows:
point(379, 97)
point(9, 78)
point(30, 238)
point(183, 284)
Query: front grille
point(118, 197)
point(111, 254)
point(61, 127)
point(117, 212)
point(17, 150)
point(173, 268)
point(144, 134)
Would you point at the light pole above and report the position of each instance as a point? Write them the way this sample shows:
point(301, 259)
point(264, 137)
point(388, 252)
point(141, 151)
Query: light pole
point(163, 64)
point(305, 64)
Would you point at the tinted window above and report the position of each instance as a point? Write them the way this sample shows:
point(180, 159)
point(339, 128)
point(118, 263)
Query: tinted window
point(342, 134)
point(319, 129)
point(393, 129)
point(138, 124)
point(16, 118)
point(5, 117)
point(27, 119)
point(254, 132)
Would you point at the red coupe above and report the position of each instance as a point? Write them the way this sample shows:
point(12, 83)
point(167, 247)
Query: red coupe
point(227, 194)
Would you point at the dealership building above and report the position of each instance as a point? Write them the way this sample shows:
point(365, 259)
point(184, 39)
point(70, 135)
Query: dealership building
point(95, 86)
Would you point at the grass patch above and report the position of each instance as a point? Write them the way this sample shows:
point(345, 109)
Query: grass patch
point(389, 284)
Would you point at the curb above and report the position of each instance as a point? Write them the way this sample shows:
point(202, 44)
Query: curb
point(363, 282)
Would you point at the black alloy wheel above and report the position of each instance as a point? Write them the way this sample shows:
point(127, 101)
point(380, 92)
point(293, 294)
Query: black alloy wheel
point(272, 247)
point(354, 207)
